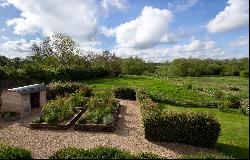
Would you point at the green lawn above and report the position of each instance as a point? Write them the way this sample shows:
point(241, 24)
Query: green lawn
point(154, 86)
point(234, 138)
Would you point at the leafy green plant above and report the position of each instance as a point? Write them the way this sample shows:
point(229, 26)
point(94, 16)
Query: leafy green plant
point(100, 108)
point(233, 101)
point(8, 152)
point(61, 109)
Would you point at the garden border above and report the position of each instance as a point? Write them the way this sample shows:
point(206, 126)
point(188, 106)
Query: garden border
point(60, 126)
point(100, 127)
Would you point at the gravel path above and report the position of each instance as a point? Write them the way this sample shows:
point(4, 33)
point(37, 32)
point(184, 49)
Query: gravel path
point(128, 136)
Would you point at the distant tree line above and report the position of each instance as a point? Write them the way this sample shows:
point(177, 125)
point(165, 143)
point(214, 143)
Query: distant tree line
point(58, 57)
point(197, 67)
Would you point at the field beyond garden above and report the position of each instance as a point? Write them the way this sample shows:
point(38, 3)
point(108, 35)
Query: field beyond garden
point(234, 137)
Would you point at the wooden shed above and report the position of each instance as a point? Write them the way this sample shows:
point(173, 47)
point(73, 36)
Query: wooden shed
point(22, 99)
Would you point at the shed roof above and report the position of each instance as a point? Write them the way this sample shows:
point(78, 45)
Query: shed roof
point(29, 89)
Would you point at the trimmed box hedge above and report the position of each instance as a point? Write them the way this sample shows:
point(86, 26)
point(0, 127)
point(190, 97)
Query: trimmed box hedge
point(8, 152)
point(192, 128)
point(64, 88)
point(125, 92)
point(102, 152)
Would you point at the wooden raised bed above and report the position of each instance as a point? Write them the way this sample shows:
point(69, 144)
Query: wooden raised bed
point(59, 126)
point(100, 127)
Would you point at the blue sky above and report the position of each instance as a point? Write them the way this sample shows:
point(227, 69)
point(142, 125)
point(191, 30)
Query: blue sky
point(155, 30)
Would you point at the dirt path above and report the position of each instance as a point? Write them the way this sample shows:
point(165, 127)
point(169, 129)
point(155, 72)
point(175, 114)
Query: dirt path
point(128, 136)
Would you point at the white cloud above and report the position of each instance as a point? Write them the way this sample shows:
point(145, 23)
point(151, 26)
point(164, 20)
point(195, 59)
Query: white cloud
point(240, 42)
point(195, 49)
point(4, 38)
point(18, 48)
point(234, 16)
point(3, 3)
point(182, 5)
point(76, 18)
point(107, 5)
point(146, 31)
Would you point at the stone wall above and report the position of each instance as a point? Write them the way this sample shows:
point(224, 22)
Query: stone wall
point(43, 99)
point(11, 101)
point(25, 105)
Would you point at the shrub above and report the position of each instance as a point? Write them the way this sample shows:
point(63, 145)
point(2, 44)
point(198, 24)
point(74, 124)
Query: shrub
point(218, 94)
point(191, 128)
point(100, 153)
point(62, 89)
point(124, 92)
point(233, 101)
point(205, 155)
point(141, 94)
point(7, 152)
point(244, 73)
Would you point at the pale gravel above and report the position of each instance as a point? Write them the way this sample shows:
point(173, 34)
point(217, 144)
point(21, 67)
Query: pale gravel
point(128, 135)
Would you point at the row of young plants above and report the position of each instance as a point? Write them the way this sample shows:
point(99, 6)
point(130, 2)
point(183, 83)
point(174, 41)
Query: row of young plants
point(225, 101)
point(190, 128)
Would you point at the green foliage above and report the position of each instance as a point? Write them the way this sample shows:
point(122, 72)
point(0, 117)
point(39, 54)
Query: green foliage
point(223, 106)
point(125, 92)
point(8, 152)
point(135, 66)
point(205, 155)
point(244, 73)
point(218, 94)
point(100, 108)
point(100, 153)
point(64, 88)
point(61, 109)
point(196, 67)
point(191, 128)
point(232, 101)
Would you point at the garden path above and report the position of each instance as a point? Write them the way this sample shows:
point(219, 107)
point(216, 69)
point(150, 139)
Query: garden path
point(128, 135)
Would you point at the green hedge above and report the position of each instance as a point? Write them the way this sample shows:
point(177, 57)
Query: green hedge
point(190, 128)
point(100, 153)
point(8, 152)
point(125, 92)
point(63, 88)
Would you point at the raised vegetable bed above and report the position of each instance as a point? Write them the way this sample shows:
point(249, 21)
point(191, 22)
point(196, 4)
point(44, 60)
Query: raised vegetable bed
point(58, 126)
point(100, 127)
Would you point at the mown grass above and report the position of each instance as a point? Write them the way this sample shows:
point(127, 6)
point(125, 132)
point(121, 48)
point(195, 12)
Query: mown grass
point(157, 87)
point(234, 138)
